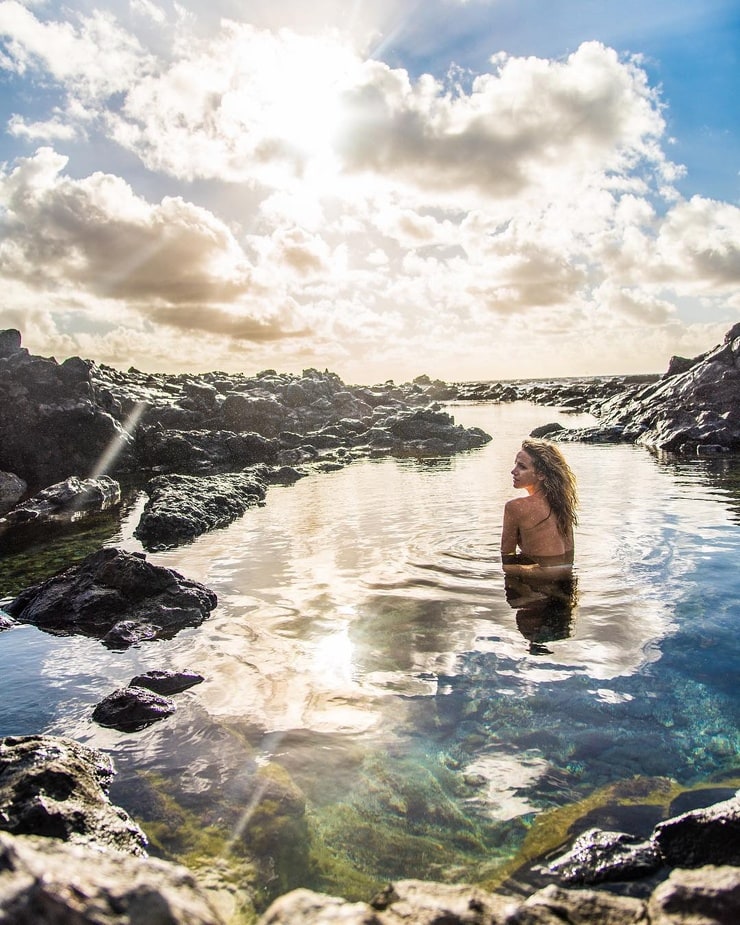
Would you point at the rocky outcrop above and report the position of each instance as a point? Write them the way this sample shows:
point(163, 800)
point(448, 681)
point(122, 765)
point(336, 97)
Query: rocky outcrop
point(51, 424)
point(181, 507)
point(58, 419)
point(693, 409)
point(58, 789)
point(573, 394)
point(63, 503)
point(117, 597)
point(43, 881)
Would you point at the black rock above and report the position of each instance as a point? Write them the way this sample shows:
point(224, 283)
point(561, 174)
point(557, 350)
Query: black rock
point(598, 856)
point(167, 682)
point(115, 596)
point(181, 507)
point(132, 708)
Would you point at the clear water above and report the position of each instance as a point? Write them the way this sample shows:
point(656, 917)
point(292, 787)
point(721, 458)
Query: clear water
point(367, 651)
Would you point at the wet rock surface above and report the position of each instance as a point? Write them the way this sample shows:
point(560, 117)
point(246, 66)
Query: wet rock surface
point(62, 503)
point(132, 708)
point(167, 682)
point(705, 836)
point(117, 597)
point(57, 788)
point(181, 507)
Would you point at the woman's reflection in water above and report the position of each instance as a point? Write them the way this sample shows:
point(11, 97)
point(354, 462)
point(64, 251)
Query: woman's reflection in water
point(544, 604)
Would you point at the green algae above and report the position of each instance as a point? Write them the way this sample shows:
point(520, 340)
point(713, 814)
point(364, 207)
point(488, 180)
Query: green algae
point(552, 829)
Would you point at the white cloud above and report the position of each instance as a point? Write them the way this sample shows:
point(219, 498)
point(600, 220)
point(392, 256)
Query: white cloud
point(175, 262)
point(386, 218)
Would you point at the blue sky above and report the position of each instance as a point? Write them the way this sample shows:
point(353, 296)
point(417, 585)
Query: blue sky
point(465, 188)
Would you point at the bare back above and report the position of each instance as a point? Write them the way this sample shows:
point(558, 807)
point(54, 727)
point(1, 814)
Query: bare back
point(530, 525)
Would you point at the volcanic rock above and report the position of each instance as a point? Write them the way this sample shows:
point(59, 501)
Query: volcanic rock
point(57, 788)
point(115, 596)
point(132, 708)
point(167, 682)
point(181, 507)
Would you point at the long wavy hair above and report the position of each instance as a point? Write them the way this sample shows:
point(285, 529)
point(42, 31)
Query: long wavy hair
point(558, 483)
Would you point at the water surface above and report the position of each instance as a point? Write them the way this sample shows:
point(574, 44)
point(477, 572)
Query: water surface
point(368, 655)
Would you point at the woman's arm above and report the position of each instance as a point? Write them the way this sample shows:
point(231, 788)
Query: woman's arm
point(510, 531)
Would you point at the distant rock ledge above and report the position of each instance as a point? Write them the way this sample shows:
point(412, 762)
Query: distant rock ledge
point(693, 409)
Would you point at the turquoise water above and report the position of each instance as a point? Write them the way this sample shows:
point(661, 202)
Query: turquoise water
point(368, 655)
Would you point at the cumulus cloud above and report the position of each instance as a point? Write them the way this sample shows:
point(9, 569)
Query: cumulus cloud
point(177, 262)
point(385, 216)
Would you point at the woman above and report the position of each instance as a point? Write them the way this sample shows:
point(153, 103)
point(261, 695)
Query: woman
point(540, 525)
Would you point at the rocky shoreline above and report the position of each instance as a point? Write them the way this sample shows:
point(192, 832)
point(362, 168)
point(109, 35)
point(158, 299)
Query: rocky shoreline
point(67, 854)
point(205, 449)
point(693, 409)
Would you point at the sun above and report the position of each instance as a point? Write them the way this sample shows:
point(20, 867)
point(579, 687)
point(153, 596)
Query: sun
point(303, 85)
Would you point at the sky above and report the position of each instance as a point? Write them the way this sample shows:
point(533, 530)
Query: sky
point(467, 189)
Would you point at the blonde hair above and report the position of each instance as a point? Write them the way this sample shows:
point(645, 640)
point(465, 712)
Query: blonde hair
point(558, 482)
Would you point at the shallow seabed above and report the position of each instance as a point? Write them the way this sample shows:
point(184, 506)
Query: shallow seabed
point(367, 654)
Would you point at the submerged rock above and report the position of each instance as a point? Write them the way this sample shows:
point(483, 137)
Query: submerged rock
point(132, 708)
point(167, 682)
point(115, 596)
point(45, 881)
point(181, 507)
point(57, 788)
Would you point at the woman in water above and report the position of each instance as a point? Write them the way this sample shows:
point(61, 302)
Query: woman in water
point(538, 528)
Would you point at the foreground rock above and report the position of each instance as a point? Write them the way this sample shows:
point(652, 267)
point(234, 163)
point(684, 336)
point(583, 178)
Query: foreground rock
point(707, 836)
point(44, 881)
point(710, 896)
point(115, 596)
point(181, 507)
point(57, 788)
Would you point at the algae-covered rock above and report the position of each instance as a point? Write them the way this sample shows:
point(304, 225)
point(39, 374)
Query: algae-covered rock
point(57, 788)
